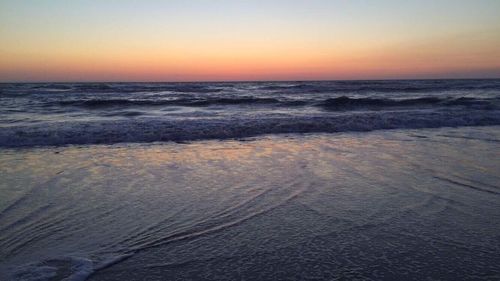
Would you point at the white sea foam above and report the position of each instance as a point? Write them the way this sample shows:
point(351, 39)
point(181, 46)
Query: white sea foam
point(155, 129)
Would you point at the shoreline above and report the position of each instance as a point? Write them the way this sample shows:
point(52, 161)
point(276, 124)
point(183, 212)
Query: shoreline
point(274, 201)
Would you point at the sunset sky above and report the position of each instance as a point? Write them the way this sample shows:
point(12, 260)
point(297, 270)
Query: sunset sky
point(201, 40)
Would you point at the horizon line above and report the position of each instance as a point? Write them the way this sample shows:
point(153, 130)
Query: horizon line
point(250, 81)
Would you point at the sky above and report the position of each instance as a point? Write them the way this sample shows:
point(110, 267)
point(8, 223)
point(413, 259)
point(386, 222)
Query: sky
point(227, 40)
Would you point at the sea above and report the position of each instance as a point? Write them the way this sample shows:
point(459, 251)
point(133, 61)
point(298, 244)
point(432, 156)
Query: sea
point(301, 180)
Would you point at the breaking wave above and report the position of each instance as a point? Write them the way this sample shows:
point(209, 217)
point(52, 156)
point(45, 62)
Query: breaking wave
point(91, 113)
point(153, 130)
point(178, 102)
point(344, 102)
point(339, 103)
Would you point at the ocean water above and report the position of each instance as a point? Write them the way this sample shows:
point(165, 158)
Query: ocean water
point(250, 181)
point(94, 113)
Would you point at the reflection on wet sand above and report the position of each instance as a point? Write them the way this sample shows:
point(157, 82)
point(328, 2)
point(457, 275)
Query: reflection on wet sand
point(386, 204)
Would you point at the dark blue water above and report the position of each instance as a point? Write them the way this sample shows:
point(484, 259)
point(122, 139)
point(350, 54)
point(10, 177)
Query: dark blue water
point(92, 113)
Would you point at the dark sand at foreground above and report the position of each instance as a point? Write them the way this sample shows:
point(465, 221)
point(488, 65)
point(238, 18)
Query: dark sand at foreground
point(394, 205)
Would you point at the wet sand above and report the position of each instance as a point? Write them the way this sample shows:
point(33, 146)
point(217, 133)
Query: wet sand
point(404, 204)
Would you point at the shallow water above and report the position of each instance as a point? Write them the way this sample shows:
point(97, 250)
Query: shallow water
point(397, 205)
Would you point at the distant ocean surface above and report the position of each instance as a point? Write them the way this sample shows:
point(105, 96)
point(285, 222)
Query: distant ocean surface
point(340, 180)
point(106, 113)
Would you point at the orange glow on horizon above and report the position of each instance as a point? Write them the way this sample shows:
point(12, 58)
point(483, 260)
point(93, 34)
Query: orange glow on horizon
point(285, 44)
